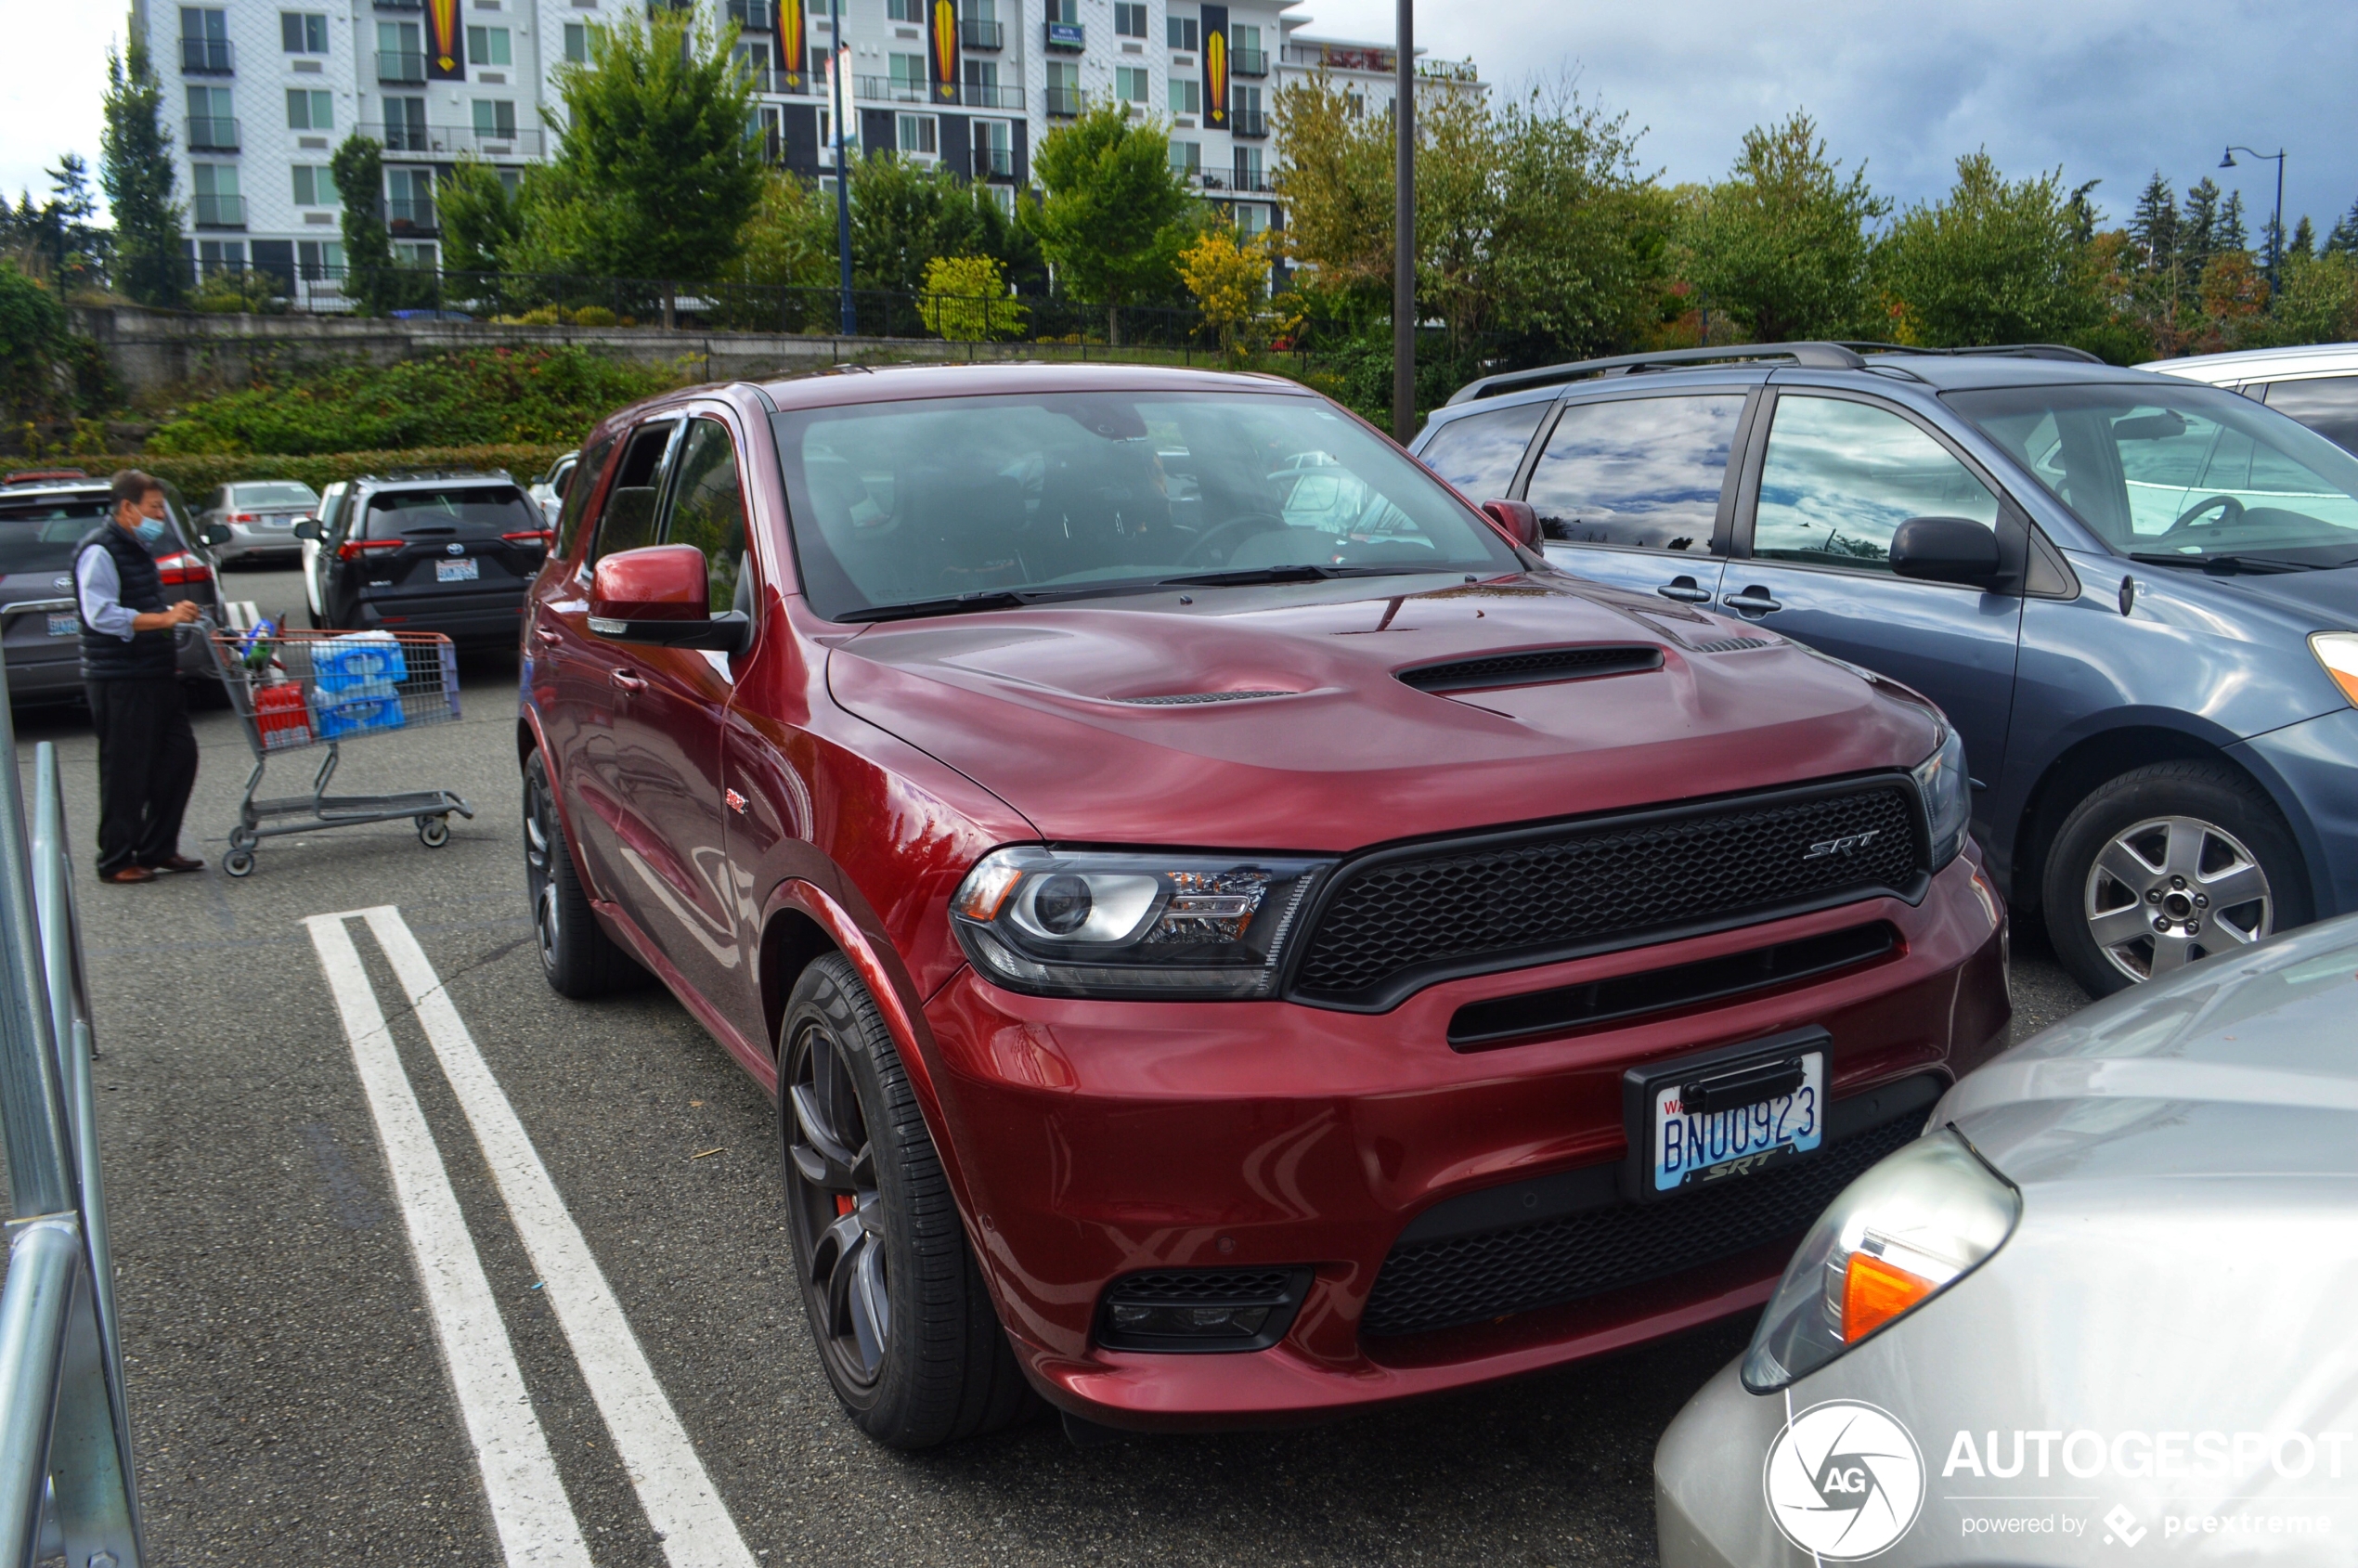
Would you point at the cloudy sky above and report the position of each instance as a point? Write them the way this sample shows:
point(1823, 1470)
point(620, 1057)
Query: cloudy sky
point(2108, 89)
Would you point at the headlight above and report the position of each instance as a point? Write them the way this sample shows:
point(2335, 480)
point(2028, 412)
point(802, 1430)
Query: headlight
point(1911, 1227)
point(2337, 651)
point(1948, 796)
point(1166, 926)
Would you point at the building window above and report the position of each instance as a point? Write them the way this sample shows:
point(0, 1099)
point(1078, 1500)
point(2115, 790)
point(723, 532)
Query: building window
point(1064, 89)
point(310, 109)
point(905, 10)
point(218, 204)
point(414, 253)
point(917, 133)
point(1247, 168)
point(578, 43)
point(319, 258)
point(222, 255)
point(410, 200)
point(212, 125)
point(302, 33)
point(1002, 197)
point(1066, 12)
point(1186, 95)
point(1244, 50)
point(907, 77)
point(994, 155)
point(406, 126)
point(495, 118)
point(489, 46)
point(1251, 220)
point(1130, 83)
point(755, 58)
point(314, 186)
point(1182, 34)
point(1129, 19)
point(204, 40)
point(1186, 157)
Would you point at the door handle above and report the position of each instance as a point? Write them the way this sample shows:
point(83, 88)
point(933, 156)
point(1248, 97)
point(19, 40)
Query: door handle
point(1685, 591)
point(546, 638)
point(627, 680)
point(1753, 601)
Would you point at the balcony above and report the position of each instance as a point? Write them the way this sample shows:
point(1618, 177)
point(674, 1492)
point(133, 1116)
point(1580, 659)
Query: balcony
point(784, 84)
point(1248, 180)
point(442, 142)
point(401, 67)
point(1067, 35)
point(401, 5)
point(1248, 62)
point(220, 211)
point(1064, 103)
point(989, 95)
point(890, 89)
point(753, 15)
point(983, 35)
point(994, 163)
point(206, 57)
point(212, 133)
point(410, 214)
point(1247, 123)
point(403, 137)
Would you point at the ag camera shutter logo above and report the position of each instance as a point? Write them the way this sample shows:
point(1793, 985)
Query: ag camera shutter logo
point(1844, 1480)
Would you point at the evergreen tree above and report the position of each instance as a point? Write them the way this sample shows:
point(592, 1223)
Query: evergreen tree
point(2197, 231)
point(2230, 235)
point(135, 169)
point(2084, 215)
point(2154, 224)
point(2305, 240)
point(359, 168)
point(2343, 241)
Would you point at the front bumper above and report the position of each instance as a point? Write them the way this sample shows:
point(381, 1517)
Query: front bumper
point(1098, 1139)
point(2308, 768)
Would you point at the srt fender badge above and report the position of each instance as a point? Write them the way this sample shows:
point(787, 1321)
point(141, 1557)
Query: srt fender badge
point(1843, 845)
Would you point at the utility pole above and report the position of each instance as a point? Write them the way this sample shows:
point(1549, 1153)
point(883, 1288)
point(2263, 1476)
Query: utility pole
point(838, 64)
point(1403, 233)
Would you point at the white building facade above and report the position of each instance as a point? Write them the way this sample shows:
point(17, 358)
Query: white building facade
point(262, 92)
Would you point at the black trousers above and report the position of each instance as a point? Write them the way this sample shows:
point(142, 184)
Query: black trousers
point(147, 766)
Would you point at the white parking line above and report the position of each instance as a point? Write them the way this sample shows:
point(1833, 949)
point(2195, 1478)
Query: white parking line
point(678, 1496)
point(528, 1508)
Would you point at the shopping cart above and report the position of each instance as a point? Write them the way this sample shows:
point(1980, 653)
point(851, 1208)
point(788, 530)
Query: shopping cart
point(298, 691)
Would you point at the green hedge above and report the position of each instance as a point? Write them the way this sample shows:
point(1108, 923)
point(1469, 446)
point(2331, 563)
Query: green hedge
point(197, 474)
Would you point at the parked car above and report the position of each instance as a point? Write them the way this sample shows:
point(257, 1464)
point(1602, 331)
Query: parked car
point(447, 552)
point(2105, 1298)
point(548, 490)
point(2135, 597)
point(331, 504)
point(2316, 384)
point(41, 521)
point(1216, 912)
point(255, 519)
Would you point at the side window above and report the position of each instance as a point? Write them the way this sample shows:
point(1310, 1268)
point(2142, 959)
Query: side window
point(331, 511)
point(1479, 453)
point(628, 520)
point(577, 499)
point(1643, 471)
point(2329, 406)
point(708, 508)
point(1842, 476)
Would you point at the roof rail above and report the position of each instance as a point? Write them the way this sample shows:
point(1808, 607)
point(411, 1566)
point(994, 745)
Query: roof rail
point(1814, 355)
point(2001, 350)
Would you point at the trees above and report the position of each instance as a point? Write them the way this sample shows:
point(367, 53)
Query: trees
point(1994, 262)
point(358, 170)
point(32, 333)
point(1113, 215)
point(135, 169)
point(1229, 280)
point(1784, 243)
point(480, 221)
point(965, 301)
point(904, 214)
point(2343, 239)
point(55, 240)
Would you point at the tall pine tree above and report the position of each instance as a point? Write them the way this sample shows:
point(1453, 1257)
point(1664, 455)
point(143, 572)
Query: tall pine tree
point(2154, 226)
point(369, 279)
point(135, 169)
point(2343, 241)
point(2229, 234)
point(2305, 240)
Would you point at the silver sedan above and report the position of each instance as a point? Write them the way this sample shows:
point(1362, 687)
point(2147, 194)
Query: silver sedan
point(2107, 1309)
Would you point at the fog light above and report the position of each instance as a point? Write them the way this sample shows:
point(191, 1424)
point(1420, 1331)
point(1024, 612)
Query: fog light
point(1201, 1310)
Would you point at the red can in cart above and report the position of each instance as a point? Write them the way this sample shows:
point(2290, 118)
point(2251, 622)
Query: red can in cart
point(280, 714)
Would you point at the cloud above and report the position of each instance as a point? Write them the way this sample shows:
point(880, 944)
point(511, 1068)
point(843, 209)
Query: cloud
point(53, 108)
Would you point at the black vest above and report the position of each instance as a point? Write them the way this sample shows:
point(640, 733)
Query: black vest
point(148, 654)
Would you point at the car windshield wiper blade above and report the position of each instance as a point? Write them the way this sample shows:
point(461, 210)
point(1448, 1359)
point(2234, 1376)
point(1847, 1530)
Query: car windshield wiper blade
point(991, 599)
point(2230, 566)
point(1249, 576)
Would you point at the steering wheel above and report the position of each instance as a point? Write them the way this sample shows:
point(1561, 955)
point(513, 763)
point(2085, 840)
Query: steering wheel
point(1244, 522)
point(2231, 512)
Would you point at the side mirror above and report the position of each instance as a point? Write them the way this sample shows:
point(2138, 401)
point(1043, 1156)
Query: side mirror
point(216, 533)
point(1946, 550)
point(661, 595)
point(305, 528)
point(1517, 520)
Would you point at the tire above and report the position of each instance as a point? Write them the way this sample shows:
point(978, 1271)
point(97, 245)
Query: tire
point(898, 1313)
point(577, 955)
point(2192, 845)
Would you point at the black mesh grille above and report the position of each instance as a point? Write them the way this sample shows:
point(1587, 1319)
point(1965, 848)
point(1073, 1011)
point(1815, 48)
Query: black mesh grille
point(1587, 887)
point(1730, 645)
point(1530, 668)
point(1444, 1284)
point(1189, 699)
point(1204, 1287)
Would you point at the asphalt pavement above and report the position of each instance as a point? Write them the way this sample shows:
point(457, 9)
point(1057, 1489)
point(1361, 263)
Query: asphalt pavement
point(286, 1102)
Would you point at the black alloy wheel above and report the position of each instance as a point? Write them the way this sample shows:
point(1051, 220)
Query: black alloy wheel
point(577, 955)
point(903, 1323)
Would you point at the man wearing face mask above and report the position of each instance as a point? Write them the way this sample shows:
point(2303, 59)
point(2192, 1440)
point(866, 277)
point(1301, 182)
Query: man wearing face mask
point(147, 753)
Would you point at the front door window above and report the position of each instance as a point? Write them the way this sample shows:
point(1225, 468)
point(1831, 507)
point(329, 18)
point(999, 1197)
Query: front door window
point(1840, 477)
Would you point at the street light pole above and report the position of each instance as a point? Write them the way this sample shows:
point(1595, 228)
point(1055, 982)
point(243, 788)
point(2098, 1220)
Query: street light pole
point(839, 59)
point(1403, 233)
point(2276, 222)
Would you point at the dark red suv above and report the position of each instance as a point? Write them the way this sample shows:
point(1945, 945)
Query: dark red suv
point(1235, 936)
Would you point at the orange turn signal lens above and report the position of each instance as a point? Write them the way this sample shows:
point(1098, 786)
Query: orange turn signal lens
point(2337, 651)
point(986, 889)
point(1873, 1293)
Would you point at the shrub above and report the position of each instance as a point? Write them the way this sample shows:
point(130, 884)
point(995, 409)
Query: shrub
point(199, 472)
point(965, 301)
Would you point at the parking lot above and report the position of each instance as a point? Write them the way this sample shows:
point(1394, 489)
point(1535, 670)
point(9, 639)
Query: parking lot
point(277, 1088)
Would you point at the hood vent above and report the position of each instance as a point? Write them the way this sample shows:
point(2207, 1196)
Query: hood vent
point(1187, 699)
point(1731, 644)
point(1536, 668)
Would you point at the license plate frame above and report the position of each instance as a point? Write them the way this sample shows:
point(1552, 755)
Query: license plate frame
point(65, 624)
point(1779, 1076)
point(465, 569)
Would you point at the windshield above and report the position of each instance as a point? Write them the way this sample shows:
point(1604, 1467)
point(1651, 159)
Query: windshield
point(2177, 471)
point(1074, 492)
point(272, 495)
point(472, 509)
point(40, 536)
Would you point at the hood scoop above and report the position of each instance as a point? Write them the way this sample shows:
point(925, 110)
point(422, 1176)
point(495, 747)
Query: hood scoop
point(1535, 666)
point(1730, 645)
point(1189, 699)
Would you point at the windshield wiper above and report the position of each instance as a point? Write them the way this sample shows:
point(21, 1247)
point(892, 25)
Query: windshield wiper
point(1250, 577)
point(2233, 565)
point(991, 599)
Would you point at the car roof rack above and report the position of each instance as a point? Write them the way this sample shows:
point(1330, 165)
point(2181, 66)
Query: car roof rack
point(44, 475)
point(429, 475)
point(1996, 350)
point(1813, 356)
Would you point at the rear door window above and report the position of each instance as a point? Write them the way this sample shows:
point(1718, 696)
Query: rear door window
point(707, 507)
point(1841, 476)
point(628, 519)
point(2327, 404)
point(1643, 473)
point(1481, 452)
point(577, 497)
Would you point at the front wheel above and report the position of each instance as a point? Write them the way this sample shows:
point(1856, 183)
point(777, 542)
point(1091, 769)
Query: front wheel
point(577, 955)
point(2166, 865)
point(903, 1323)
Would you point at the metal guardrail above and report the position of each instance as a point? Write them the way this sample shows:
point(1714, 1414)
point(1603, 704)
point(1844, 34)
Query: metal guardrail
point(66, 1471)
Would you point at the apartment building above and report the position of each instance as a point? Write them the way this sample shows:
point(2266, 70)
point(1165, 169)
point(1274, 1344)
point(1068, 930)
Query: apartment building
point(268, 89)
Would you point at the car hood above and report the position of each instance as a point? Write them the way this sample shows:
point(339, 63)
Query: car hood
point(1049, 708)
point(2240, 1065)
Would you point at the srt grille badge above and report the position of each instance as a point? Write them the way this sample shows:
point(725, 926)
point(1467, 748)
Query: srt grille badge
point(1842, 845)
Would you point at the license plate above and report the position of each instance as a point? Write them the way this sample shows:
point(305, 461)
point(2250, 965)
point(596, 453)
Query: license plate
point(465, 570)
point(65, 626)
point(277, 521)
point(1726, 1114)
